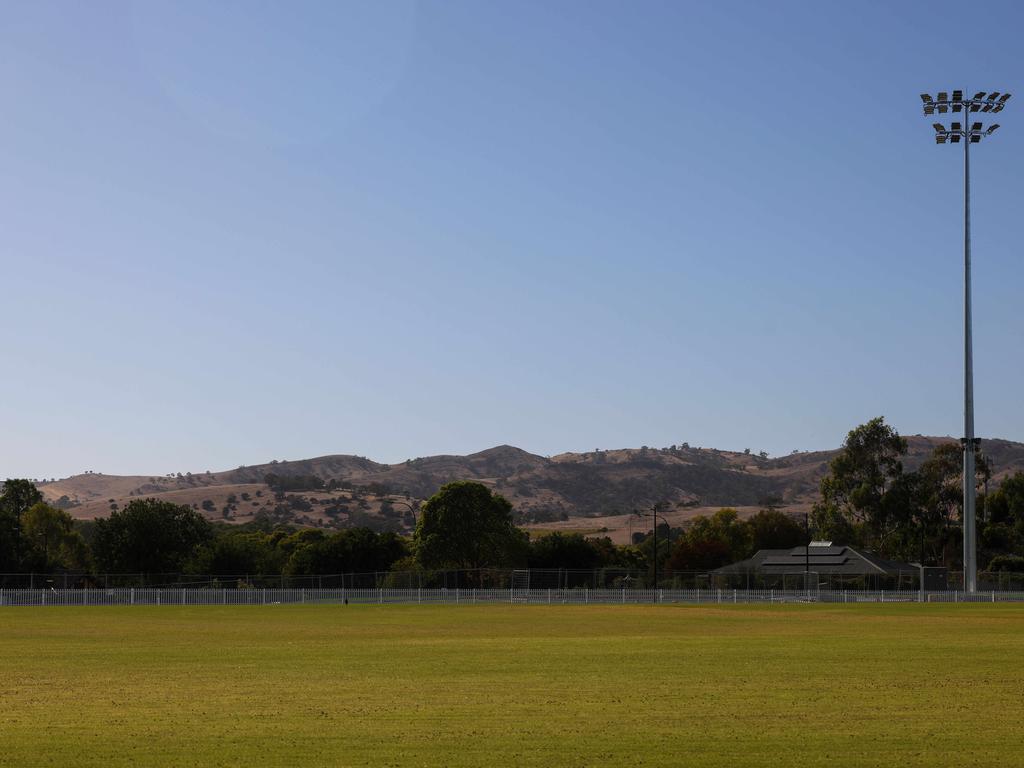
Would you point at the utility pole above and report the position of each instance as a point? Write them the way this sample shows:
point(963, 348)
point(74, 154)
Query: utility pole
point(980, 102)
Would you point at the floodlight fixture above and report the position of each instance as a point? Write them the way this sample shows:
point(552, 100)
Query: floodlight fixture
point(972, 133)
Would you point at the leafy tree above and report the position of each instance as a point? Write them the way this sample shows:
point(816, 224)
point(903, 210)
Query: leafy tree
point(16, 498)
point(864, 495)
point(51, 539)
point(238, 553)
point(933, 532)
point(465, 525)
point(149, 536)
point(1006, 504)
point(771, 529)
point(357, 550)
point(1002, 531)
point(18, 495)
point(1013, 563)
point(711, 542)
point(562, 550)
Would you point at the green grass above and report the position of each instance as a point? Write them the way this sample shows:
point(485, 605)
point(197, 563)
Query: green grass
point(892, 685)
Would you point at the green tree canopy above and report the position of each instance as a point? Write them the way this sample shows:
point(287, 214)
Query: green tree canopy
point(51, 541)
point(15, 499)
point(149, 536)
point(864, 494)
point(465, 525)
point(772, 529)
point(565, 550)
point(358, 550)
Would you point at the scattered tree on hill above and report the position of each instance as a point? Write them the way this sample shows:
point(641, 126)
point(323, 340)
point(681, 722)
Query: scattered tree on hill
point(286, 483)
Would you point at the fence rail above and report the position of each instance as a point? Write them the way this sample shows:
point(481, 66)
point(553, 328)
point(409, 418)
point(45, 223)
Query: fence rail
point(494, 578)
point(271, 596)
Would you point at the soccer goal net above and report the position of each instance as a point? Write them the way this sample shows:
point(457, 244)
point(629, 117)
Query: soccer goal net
point(520, 585)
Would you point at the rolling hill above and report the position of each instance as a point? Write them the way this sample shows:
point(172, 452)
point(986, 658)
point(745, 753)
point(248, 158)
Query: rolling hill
point(594, 491)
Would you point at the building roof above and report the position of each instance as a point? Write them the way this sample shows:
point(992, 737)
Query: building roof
point(820, 557)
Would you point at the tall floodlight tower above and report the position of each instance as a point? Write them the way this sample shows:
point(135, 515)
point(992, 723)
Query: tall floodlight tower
point(969, 133)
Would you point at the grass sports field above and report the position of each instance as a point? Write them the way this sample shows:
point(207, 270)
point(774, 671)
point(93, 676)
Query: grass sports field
point(809, 685)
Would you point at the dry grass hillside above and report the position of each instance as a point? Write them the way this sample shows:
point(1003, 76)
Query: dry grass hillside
point(590, 492)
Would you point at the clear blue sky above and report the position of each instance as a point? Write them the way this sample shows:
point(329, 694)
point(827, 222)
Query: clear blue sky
point(239, 231)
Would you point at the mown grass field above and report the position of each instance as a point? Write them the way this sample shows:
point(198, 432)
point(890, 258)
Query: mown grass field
point(892, 685)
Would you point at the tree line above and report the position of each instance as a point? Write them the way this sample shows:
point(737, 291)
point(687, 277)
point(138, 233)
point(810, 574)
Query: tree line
point(465, 527)
point(868, 500)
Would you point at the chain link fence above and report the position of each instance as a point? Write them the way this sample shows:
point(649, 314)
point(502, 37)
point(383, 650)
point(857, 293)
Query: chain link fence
point(535, 578)
point(122, 596)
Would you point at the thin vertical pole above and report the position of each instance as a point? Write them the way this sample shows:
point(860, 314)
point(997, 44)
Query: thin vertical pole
point(970, 549)
point(655, 550)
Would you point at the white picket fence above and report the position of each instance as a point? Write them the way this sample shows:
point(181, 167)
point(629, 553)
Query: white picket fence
point(185, 596)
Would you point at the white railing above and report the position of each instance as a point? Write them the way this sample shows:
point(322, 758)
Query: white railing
point(201, 596)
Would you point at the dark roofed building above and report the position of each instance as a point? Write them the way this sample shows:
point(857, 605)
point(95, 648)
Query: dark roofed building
point(822, 558)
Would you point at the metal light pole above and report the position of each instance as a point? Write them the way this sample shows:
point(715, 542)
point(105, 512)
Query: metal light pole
point(653, 513)
point(943, 103)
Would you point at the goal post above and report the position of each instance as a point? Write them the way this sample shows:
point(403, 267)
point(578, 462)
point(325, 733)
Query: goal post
point(519, 591)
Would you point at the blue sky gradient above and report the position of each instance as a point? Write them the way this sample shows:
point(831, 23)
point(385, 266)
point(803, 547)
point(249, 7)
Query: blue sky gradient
point(239, 231)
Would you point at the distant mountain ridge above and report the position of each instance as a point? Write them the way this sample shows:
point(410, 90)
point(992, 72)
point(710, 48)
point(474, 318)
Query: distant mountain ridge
point(554, 491)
